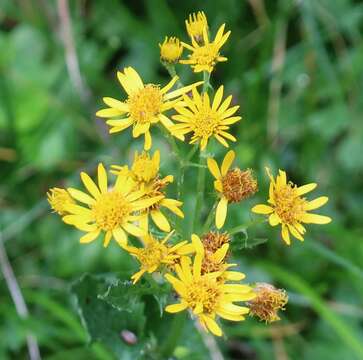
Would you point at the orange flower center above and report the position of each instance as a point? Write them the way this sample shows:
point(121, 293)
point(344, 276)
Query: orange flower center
point(205, 55)
point(145, 104)
point(152, 255)
point(205, 123)
point(111, 210)
point(288, 205)
point(203, 291)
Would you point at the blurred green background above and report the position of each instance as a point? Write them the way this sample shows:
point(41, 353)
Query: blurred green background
point(296, 69)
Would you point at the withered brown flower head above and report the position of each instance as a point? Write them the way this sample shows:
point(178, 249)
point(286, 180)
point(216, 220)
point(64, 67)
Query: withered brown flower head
point(268, 302)
point(213, 240)
point(238, 185)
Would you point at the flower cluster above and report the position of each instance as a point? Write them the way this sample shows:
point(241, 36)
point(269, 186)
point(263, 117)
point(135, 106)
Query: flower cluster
point(137, 211)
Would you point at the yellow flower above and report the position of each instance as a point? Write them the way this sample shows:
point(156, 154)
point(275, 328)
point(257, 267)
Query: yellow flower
point(288, 207)
point(204, 119)
point(206, 296)
point(145, 173)
point(144, 168)
point(268, 302)
point(196, 25)
point(110, 211)
point(144, 106)
point(233, 185)
point(205, 56)
point(215, 261)
point(157, 189)
point(156, 253)
point(171, 50)
point(58, 198)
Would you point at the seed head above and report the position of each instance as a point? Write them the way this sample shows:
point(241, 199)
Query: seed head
point(268, 302)
point(238, 185)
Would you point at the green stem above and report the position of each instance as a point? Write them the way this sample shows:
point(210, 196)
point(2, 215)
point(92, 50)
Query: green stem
point(206, 78)
point(200, 191)
point(210, 218)
point(174, 334)
point(172, 72)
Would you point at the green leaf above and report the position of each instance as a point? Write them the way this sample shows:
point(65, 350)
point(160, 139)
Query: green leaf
point(121, 327)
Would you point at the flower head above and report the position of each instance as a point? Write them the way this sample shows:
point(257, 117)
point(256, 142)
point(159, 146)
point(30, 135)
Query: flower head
point(205, 119)
point(206, 297)
point(215, 261)
point(232, 185)
point(58, 198)
point(171, 50)
point(145, 173)
point(288, 208)
point(195, 26)
point(154, 254)
point(144, 106)
point(107, 210)
point(206, 55)
point(144, 169)
point(214, 240)
point(268, 302)
point(157, 189)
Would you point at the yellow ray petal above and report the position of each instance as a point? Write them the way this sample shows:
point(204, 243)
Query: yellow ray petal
point(212, 326)
point(316, 203)
point(148, 141)
point(262, 209)
point(107, 113)
point(160, 220)
point(133, 230)
point(107, 239)
point(120, 236)
point(306, 188)
point(213, 168)
point(274, 219)
point(102, 178)
point(174, 308)
point(116, 104)
point(315, 219)
point(89, 237)
point(285, 234)
point(221, 212)
point(227, 162)
point(90, 185)
point(81, 196)
point(198, 246)
point(169, 85)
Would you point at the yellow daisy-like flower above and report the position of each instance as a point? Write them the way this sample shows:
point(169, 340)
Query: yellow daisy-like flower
point(58, 198)
point(171, 50)
point(195, 26)
point(145, 105)
point(206, 55)
point(204, 120)
point(207, 297)
point(288, 207)
point(144, 169)
point(232, 185)
point(110, 211)
point(157, 189)
point(214, 261)
point(156, 253)
point(145, 173)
